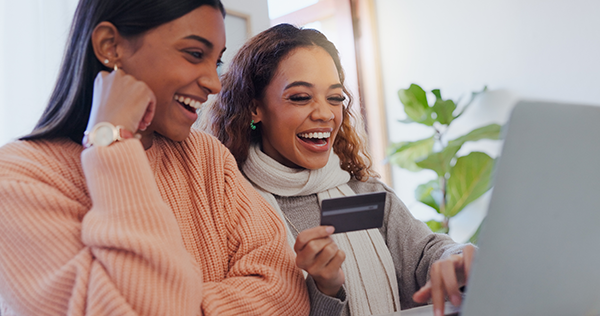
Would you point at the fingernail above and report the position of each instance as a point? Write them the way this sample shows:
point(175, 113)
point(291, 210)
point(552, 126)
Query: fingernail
point(455, 299)
point(438, 312)
point(330, 229)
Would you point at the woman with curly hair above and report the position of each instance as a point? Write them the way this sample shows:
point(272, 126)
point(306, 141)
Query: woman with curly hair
point(285, 115)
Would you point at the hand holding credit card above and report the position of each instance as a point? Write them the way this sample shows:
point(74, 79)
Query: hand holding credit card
point(357, 212)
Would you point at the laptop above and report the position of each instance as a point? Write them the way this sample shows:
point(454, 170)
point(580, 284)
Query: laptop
point(539, 246)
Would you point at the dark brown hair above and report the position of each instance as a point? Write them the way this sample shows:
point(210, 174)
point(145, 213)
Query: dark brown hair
point(249, 74)
point(68, 110)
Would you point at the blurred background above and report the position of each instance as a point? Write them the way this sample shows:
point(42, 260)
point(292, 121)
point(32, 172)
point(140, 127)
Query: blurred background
point(519, 49)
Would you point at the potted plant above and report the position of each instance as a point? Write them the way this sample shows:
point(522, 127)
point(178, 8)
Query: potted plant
point(460, 179)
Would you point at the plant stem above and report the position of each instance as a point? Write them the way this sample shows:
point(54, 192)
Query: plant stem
point(445, 225)
point(443, 182)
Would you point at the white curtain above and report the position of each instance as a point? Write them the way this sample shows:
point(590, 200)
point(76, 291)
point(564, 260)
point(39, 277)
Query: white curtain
point(33, 35)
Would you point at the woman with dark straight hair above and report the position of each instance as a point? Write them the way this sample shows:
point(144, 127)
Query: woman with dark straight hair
point(286, 117)
point(112, 205)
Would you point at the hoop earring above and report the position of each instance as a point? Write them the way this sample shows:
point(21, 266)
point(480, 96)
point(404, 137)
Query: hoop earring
point(252, 126)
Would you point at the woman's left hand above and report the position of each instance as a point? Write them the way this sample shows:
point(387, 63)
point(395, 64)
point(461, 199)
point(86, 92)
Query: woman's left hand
point(446, 278)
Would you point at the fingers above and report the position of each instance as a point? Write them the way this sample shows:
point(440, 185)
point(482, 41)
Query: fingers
point(468, 255)
point(449, 279)
point(149, 114)
point(311, 234)
point(317, 254)
point(423, 294)
point(437, 289)
point(446, 277)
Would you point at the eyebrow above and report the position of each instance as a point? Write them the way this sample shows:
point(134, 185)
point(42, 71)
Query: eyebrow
point(309, 85)
point(201, 40)
point(204, 41)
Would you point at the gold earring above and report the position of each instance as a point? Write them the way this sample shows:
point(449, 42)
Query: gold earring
point(115, 68)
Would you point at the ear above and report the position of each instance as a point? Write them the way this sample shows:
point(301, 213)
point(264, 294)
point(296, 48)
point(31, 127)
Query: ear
point(257, 111)
point(105, 40)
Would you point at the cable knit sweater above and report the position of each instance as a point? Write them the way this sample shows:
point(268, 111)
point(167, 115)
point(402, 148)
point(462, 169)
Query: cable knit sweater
point(116, 230)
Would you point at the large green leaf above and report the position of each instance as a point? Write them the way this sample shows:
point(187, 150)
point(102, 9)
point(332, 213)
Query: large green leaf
point(439, 161)
point(405, 154)
point(415, 104)
point(436, 227)
point(430, 194)
point(469, 179)
point(444, 109)
point(491, 131)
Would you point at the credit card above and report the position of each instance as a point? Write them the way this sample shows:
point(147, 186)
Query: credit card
point(350, 213)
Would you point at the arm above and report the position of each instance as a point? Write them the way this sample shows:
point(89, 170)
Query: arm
point(413, 246)
point(262, 278)
point(325, 305)
point(119, 254)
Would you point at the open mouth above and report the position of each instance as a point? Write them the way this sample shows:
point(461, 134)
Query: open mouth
point(316, 138)
point(188, 103)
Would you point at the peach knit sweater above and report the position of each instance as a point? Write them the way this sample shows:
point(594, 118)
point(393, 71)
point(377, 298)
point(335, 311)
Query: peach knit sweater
point(175, 230)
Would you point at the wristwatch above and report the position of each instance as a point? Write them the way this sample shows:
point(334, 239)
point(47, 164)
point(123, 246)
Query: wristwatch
point(104, 134)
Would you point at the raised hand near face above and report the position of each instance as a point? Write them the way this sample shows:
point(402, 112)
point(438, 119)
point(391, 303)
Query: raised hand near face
point(318, 255)
point(120, 99)
point(446, 277)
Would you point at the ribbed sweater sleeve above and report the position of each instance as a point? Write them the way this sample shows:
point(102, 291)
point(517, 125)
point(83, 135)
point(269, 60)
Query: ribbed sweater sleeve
point(121, 255)
point(262, 278)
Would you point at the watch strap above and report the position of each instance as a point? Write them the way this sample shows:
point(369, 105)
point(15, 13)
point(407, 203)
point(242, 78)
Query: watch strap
point(119, 133)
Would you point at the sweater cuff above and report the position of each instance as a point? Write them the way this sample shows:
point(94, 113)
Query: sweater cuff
point(119, 175)
point(322, 304)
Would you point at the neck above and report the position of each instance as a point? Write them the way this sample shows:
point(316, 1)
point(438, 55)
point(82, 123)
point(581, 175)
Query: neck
point(147, 138)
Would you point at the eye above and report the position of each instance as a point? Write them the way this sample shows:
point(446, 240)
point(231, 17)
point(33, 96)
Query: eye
point(336, 100)
point(300, 98)
point(219, 63)
point(196, 54)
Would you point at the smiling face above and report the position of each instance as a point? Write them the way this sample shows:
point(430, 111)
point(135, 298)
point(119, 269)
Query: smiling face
point(301, 110)
point(178, 61)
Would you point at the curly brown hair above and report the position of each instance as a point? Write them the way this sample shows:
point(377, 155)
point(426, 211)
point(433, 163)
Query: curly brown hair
point(246, 80)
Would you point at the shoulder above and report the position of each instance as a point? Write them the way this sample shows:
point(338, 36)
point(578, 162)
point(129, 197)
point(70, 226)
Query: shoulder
point(44, 164)
point(40, 153)
point(371, 185)
point(198, 147)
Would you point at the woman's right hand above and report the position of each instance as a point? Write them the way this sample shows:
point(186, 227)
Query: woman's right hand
point(318, 255)
point(120, 99)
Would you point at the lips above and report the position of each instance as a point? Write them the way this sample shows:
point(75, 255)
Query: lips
point(315, 140)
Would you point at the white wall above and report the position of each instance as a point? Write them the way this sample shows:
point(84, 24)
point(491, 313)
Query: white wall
point(244, 20)
point(257, 9)
point(534, 49)
point(33, 34)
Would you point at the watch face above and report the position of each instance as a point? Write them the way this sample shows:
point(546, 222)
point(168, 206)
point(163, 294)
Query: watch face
point(103, 136)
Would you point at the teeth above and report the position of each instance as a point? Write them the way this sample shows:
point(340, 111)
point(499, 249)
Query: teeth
point(315, 135)
point(188, 101)
point(196, 104)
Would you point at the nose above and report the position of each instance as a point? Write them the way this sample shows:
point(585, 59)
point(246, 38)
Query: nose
point(322, 112)
point(210, 81)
